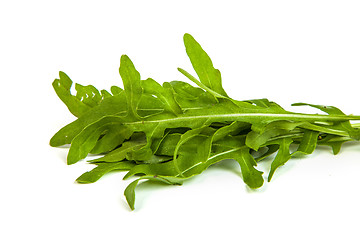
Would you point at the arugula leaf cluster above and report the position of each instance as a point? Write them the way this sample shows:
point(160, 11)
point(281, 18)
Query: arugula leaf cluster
point(174, 131)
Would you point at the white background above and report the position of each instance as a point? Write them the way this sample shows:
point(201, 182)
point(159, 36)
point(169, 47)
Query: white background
point(287, 51)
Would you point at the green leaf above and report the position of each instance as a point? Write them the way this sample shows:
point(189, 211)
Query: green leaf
point(136, 142)
point(115, 105)
point(203, 66)
point(103, 168)
point(85, 141)
point(251, 176)
point(130, 189)
point(86, 97)
point(344, 125)
point(183, 139)
point(62, 88)
point(132, 86)
point(282, 156)
point(335, 142)
point(130, 193)
point(163, 93)
point(234, 148)
point(263, 132)
point(308, 142)
point(112, 137)
point(192, 159)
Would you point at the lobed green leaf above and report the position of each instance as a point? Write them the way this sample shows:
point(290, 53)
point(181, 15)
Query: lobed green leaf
point(203, 66)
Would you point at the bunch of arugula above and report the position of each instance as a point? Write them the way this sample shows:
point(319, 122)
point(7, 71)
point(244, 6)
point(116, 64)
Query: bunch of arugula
point(174, 131)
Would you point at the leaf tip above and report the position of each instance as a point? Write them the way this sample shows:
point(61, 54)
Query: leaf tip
point(85, 178)
point(62, 74)
point(187, 36)
point(130, 194)
point(52, 142)
point(270, 176)
point(71, 159)
point(124, 57)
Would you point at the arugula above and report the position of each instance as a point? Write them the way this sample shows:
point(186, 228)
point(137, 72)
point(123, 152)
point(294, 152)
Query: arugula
point(171, 132)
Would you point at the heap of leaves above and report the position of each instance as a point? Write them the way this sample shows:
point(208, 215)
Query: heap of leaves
point(174, 131)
